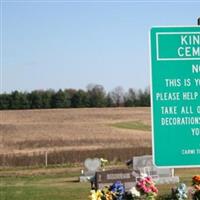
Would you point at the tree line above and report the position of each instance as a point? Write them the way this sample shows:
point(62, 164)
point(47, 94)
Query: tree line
point(94, 96)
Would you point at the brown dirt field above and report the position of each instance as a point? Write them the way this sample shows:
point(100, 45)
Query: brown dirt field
point(68, 129)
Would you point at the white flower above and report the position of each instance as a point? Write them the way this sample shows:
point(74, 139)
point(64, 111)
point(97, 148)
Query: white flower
point(143, 175)
point(103, 160)
point(134, 192)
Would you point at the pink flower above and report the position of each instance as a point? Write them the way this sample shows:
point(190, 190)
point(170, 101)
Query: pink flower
point(146, 185)
point(154, 189)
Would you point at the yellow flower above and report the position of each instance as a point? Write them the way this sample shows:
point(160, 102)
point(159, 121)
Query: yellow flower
point(95, 195)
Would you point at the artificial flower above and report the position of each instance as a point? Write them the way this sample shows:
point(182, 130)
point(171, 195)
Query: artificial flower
point(134, 192)
point(95, 195)
point(118, 189)
point(181, 192)
point(147, 187)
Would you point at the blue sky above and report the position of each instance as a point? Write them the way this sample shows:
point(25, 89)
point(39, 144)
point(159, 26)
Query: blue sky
point(71, 44)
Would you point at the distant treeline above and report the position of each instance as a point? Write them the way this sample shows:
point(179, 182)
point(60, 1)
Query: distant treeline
point(94, 96)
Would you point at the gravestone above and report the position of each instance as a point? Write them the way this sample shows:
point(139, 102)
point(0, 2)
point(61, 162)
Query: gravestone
point(108, 177)
point(91, 166)
point(144, 164)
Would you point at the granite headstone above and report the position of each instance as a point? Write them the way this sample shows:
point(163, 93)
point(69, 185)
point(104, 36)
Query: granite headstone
point(108, 177)
point(144, 164)
point(91, 166)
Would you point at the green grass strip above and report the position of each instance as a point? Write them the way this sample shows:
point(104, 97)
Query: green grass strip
point(137, 125)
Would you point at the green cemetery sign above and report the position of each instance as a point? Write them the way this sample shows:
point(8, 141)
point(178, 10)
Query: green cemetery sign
point(175, 81)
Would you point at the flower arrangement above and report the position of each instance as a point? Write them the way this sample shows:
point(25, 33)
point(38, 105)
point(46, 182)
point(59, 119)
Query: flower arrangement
point(180, 193)
point(103, 163)
point(196, 180)
point(196, 187)
point(144, 189)
point(118, 190)
point(147, 188)
point(114, 192)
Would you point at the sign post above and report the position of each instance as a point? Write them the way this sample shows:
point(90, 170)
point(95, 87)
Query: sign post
point(175, 96)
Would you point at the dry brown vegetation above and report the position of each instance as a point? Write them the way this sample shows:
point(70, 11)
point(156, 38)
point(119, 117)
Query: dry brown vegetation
point(73, 132)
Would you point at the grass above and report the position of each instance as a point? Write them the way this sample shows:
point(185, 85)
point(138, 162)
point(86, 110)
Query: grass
point(36, 191)
point(43, 187)
point(60, 186)
point(135, 125)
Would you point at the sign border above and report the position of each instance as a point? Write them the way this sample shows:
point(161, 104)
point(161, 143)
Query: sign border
point(171, 33)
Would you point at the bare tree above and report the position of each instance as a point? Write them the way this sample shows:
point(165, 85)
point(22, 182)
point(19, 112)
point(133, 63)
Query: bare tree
point(117, 96)
point(130, 97)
